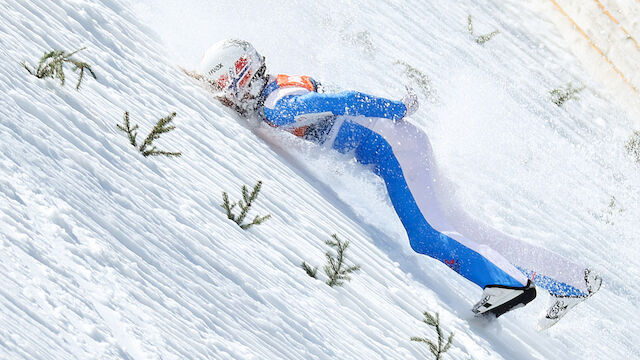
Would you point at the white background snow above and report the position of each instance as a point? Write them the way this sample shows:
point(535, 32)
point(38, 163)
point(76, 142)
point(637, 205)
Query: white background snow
point(106, 254)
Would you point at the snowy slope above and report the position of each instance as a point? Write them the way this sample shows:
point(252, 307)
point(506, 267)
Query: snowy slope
point(106, 254)
point(604, 36)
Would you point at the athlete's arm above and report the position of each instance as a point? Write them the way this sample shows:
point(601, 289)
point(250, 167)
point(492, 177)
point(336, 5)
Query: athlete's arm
point(349, 103)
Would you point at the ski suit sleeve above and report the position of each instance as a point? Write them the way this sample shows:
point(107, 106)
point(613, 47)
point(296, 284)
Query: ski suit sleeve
point(349, 103)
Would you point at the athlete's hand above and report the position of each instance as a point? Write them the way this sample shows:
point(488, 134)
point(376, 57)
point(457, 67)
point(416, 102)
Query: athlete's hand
point(410, 101)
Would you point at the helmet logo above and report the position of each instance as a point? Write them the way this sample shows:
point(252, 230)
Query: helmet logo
point(234, 79)
point(241, 64)
point(215, 68)
point(238, 76)
point(223, 81)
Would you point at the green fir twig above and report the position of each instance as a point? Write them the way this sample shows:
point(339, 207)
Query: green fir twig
point(561, 95)
point(481, 39)
point(335, 269)
point(162, 126)
point(131, 131)
point(311, 271)
point(245, 205)
point(147, 148)
point(51, 65)
point(419, 78)
point(362, 39)
point(436, 349)
point(633, 145)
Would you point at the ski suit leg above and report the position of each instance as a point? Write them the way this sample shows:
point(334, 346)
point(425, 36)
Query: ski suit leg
point(401, 154)
point(552, 272)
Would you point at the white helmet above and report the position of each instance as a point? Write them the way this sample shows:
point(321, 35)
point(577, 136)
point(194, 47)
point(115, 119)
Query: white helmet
point(229, 66)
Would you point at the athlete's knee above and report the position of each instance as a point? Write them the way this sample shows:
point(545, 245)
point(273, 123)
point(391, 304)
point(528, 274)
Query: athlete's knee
point(427, 242)
point(417, 246)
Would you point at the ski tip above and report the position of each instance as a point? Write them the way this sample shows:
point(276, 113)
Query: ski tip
point(558, 308)
point(560, 305)
point(593, 281)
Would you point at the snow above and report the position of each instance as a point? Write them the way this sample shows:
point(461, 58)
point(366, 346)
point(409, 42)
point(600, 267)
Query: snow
point(604, 35)
point(107, 254)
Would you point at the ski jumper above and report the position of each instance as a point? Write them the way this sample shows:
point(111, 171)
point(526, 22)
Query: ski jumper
point(401, 154)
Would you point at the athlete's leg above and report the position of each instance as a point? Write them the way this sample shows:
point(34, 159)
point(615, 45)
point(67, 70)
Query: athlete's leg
point(403, 161)
point(554, 273)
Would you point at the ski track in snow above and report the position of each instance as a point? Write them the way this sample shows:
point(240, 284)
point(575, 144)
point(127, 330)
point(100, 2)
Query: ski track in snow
point(107, 254)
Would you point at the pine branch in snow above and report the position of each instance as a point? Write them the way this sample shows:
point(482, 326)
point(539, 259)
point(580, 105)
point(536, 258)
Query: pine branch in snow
point(126, 127)
point(81, 66)
point(436, 349)
point(245, 205)
point(161, 127)
point(633, 145)
point(561, 95)
point(147, 148)
point(311, 271)
point(228, 207)
point(51, 65)
point(612, 210)
point(335, 269)
point(418, 78)
point(481, 39)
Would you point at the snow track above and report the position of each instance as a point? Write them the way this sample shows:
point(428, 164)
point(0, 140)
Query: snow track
point(106, 254)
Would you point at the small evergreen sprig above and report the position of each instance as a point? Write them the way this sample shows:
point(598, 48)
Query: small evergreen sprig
point(244, 205)
point(436, 350)
point(360, 39)
point(419, 78)
point(51, 66)
point(633, 145)
point(311, 271)
point(482, 38)
point(147, 148)
point(561, 95)
point(335, 269)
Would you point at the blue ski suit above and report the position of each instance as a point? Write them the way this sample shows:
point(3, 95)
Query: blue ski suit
point(373, 129)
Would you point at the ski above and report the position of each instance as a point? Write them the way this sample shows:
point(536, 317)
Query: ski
point(561, 305)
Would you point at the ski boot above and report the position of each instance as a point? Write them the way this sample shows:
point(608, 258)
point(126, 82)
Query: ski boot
point(498, 299)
